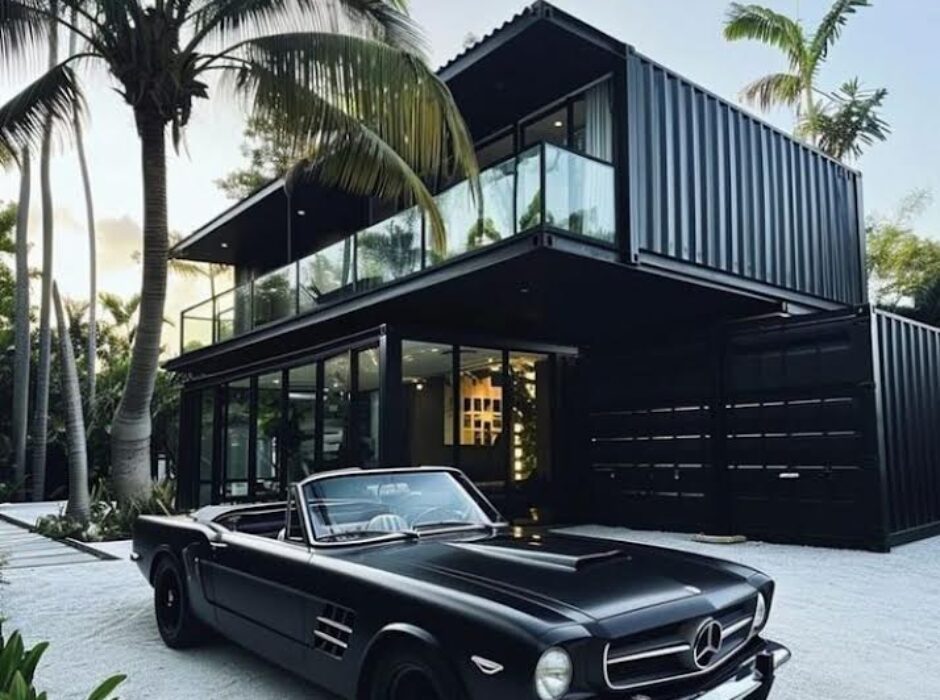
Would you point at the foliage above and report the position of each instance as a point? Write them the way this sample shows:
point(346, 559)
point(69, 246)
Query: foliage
point(850, 121)
point(110, 520)
point(905, 266)
point(841, 124)
point(270, 155)
point(18, 667)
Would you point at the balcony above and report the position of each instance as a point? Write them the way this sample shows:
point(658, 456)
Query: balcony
point(544, 187)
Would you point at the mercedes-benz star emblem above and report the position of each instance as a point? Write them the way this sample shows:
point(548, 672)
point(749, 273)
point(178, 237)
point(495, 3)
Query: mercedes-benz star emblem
point(707, 644)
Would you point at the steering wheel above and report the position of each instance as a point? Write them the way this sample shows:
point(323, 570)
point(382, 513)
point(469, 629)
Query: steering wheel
point(449, 514)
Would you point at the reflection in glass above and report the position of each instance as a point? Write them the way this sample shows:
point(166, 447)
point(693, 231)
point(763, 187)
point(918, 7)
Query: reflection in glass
point(461, 217)
point(427, 385)
point(579, 194)
point(529, 189)
point(326, 274)
point(482, 454)
point(367, 407)
point(300, 446)
point(275, 295)
point(225, 315)
point(529, 379)
point(197, 326)
point(335, 410)
point(390, 249)
point(267, 431)
point(497, 185)
point(206, 442)
point(237, 401)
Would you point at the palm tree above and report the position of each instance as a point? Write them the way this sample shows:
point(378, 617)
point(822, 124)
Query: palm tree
point(805, 54)
point(21, 340)
point(79, 503)
point(91, 352)
point(40, 430)
point(850, 121)
point(347, 78)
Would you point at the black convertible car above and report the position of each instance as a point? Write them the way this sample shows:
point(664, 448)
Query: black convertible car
point(406, 584)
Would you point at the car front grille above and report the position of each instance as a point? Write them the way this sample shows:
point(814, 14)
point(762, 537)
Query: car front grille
point(666, 654)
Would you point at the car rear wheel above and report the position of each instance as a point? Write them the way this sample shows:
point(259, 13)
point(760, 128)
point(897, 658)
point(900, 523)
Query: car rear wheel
point(409, 674)
point(175, 621)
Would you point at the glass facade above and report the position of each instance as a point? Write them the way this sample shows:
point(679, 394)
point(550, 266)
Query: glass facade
point(300, 430)
point(236, 442)
point(366, 405)
point(335, 411)
point(267, 435)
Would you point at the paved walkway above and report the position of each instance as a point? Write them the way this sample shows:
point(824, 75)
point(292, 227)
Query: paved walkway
point(22, 549)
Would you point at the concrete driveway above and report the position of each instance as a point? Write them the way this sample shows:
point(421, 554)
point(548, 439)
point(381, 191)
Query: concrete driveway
point(860, 626)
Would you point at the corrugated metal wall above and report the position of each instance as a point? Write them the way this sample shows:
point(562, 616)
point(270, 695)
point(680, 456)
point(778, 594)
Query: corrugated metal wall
point(713, 186)
point(909, 375)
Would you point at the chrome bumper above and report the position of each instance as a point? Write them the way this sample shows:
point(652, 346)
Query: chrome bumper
point(753, 678)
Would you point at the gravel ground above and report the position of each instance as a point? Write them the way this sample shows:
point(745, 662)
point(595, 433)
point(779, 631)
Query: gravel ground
point(860, 626)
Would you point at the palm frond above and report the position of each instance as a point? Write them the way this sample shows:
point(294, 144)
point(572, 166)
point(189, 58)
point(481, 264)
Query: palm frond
point(832, 24)
point(54, 96)
point(763, 24)
point(850, 122)
point(325, 83)
point(774, 89)
point(24, 29)
point(240, 20)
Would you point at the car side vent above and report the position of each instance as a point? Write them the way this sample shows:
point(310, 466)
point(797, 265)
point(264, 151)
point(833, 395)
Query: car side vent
point(333, 630)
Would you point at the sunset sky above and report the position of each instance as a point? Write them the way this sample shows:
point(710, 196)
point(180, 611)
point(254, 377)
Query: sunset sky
point(889, 45)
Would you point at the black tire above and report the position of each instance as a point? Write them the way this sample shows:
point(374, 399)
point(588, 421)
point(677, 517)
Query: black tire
point(176, 623)
point(408, 673)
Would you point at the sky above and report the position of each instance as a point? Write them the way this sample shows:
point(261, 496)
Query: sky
point(892, 45)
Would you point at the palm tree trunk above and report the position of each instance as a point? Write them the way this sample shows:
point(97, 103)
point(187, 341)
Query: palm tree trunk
point(132, 426)
point(78, 508)
point(21, 330)
point(92, 349)
point(41, 408)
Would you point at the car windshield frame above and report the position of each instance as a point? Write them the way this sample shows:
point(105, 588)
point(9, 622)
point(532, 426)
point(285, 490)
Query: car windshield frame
point(486, 515)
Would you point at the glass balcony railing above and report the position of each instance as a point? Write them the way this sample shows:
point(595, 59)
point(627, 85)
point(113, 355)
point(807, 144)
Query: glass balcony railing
point(544, 186)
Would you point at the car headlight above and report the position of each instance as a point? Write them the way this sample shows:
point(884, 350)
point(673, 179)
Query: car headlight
point(553, 674)
point(760, 613)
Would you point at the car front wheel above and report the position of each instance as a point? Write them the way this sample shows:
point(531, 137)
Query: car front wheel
point(408, 674)
point(177, 625)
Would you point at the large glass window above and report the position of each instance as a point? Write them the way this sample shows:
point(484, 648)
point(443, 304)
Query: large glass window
point(300, 444)
point(336, 411)
point(236, 438)
point(529, 378)
point(495, 151)
point(206, 444)
point(267, 435)
point(428, 389)
point(390, 249)
point(480, 414)
point(579, 194)
point(275, 295)
point(367, 407)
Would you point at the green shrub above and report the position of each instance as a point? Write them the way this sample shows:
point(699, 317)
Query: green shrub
point(109, 519)
point(18, 665)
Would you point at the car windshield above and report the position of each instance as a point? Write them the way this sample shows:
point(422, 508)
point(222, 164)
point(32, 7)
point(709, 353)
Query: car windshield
point(352, 507)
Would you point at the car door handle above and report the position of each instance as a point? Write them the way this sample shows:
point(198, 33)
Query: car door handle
point(789, 475)
point(218, 545)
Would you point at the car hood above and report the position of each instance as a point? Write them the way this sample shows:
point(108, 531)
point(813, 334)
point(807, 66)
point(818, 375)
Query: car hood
point(578, 579)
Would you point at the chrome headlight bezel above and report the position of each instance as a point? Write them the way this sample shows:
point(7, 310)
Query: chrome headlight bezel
point(760, 614)
point(553, 673)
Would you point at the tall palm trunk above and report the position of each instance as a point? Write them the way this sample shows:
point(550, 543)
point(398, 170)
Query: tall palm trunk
point(41, 408)
point(78, 507)
point(21, 330)
point(92, 349)
point(131, 428)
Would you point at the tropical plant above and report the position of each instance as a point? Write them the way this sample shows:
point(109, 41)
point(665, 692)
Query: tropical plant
point(905, 266)
point(805, 53)
point(78, 502)
point(346, 78)
point(850, 121)
point(270, 155)
point(18, 667)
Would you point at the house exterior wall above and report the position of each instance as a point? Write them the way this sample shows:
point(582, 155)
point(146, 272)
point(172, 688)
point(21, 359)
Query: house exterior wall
point(715, 187)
